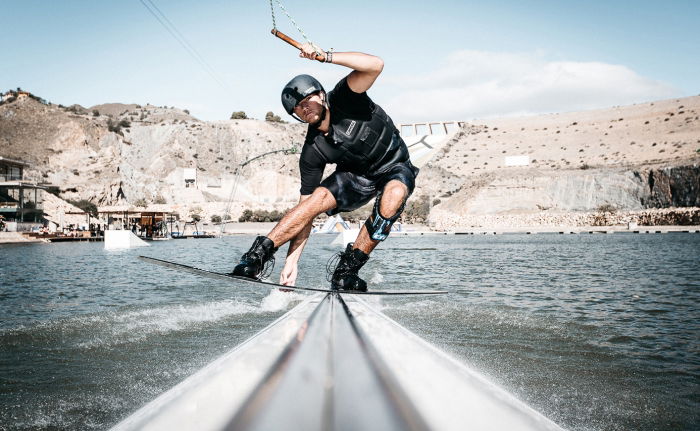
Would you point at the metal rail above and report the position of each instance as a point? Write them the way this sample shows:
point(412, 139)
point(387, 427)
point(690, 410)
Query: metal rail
point(331, 366)
point(335, 363)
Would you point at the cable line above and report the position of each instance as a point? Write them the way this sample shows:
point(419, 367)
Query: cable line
point(274, 23)
point(180, 38)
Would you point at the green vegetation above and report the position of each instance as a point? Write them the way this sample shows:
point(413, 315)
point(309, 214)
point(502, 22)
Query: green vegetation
point(141, 203)
point(417, 210)
point(261, 216)
point(216, 218)
point(606, 208)
point(196, 214)
point(272, 118)
point(239, 115)
point(85, 205)
point(116, 127)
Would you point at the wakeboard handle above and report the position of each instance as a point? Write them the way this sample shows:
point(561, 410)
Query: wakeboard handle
point(294, 43)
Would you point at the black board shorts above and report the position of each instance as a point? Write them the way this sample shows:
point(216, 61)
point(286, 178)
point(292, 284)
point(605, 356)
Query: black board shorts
point(352, 190)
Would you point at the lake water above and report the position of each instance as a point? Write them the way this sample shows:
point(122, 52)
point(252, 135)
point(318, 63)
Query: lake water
point(597, 332)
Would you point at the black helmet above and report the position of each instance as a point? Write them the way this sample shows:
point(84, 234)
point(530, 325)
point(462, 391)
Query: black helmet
point(297, 89)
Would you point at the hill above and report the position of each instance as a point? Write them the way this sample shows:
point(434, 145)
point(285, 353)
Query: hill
point(628, 158)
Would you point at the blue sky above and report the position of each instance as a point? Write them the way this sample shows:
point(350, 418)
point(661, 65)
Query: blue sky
point(444, 60)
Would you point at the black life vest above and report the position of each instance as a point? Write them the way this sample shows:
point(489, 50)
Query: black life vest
point(362, 145)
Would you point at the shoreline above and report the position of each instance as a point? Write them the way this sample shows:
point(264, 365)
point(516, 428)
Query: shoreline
point(262, 228)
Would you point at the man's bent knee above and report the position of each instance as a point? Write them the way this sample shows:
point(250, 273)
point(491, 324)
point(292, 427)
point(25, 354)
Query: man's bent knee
point(393, 198)
point(322, 199)
point(379, 224)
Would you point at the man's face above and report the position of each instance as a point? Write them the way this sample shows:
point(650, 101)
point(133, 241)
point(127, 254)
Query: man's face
point(310, 109)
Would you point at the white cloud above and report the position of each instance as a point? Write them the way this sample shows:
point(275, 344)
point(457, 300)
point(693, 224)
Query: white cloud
point(478, 84)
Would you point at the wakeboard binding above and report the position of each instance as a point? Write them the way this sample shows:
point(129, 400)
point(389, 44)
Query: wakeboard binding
point(344, 276)
point(257, 262)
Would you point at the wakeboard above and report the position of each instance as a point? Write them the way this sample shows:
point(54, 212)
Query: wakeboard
point(230, 278)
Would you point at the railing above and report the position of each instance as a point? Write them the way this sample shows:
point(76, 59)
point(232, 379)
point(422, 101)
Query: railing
point(430, 128)
point(9, 177)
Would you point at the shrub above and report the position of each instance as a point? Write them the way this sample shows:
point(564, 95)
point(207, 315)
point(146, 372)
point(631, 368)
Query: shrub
point(417, 210)
point(216, 218)
point(141, 203)
point(246, 216)
point(114, 127)
point(160, 200)
point(261, 216)
point(95, 113)
point(606, 208)
point(196, 214)
point(239, 115)
point(272, 118)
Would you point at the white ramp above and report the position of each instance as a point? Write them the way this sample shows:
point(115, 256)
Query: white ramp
point(345, 237)
point(115, 239)
point(422, 148)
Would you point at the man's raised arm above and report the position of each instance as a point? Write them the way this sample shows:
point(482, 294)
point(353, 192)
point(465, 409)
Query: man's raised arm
point(366, 67)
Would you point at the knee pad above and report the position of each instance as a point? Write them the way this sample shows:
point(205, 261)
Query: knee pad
point(378, 226)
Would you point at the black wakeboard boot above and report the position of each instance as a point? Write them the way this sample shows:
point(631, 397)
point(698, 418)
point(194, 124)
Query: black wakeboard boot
point(257, 260)
point(345, 274)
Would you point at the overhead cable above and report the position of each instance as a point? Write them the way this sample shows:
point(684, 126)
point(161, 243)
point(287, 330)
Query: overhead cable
point(180, 38)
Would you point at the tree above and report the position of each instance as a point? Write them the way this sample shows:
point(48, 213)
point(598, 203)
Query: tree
point(196, 214)
point(86, 206)
point(239, 115)
point(95, 113)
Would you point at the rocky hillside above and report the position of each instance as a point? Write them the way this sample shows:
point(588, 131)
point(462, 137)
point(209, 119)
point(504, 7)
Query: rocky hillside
point(624, 158)
point(127, 154)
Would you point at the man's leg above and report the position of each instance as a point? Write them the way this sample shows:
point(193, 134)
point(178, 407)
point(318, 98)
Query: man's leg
point(321, 200)
point(393, 197)
point(253, 263)
point(345, 275)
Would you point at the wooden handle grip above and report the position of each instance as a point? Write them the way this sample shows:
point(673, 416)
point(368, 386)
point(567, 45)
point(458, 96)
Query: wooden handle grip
point(294, 43)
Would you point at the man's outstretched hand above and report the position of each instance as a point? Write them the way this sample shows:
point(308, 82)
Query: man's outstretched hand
point(288, 276)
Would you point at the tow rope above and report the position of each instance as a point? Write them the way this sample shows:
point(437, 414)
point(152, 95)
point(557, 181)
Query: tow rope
point(320, 55)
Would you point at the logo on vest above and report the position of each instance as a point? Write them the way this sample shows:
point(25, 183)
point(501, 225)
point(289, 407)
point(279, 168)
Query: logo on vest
point(350, 127)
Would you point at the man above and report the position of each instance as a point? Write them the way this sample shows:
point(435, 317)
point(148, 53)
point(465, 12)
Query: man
point(346, 128)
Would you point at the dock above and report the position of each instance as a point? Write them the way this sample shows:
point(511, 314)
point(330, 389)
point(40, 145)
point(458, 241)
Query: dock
point(335, 363)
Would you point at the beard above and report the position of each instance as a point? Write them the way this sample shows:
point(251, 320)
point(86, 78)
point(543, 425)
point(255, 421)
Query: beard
point(321, 116)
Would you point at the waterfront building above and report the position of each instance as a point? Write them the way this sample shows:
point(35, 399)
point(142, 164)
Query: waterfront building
point(20, 200)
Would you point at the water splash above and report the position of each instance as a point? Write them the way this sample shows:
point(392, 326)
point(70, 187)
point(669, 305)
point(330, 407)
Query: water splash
point(278, 300)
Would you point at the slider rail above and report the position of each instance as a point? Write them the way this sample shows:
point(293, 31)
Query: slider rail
point(329, 377)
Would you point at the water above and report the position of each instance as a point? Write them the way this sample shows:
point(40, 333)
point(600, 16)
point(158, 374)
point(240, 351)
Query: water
point(598, 332)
